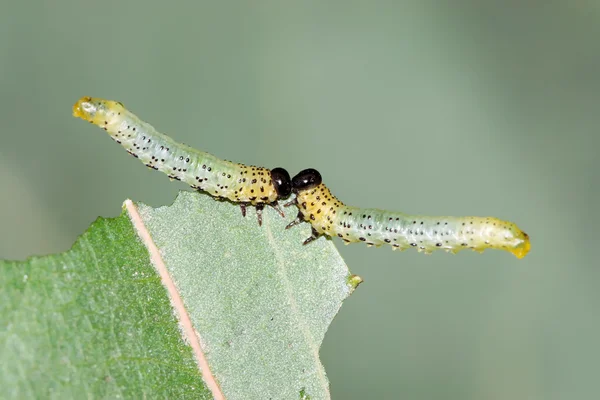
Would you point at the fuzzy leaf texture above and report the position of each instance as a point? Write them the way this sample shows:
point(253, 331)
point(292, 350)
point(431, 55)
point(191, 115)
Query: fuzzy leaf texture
point(98, 322)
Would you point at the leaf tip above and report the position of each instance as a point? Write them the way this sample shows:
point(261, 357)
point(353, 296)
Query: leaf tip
point(353, 281)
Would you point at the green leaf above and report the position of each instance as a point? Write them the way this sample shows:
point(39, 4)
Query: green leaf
point(97, 321)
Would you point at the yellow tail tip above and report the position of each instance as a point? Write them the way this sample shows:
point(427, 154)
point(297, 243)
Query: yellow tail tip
point(523, 248)
point(77, 109)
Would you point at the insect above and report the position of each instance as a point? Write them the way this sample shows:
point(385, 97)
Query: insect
point(329, 216)
point(238, 183)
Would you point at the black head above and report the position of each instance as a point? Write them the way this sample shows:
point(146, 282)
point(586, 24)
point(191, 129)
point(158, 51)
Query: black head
point(305, 180)
point(281, 182)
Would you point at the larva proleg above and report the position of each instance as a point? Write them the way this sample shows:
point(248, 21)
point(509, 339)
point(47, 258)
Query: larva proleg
point(243, 184)
point(329, 216)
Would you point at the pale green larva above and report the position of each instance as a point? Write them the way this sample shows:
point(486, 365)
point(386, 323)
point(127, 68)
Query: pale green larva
point(243, 184)
point(329, 216)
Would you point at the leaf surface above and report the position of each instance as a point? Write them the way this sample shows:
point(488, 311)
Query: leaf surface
point(96, 321)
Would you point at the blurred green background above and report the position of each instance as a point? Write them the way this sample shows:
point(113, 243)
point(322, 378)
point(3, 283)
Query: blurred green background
point(462, 108)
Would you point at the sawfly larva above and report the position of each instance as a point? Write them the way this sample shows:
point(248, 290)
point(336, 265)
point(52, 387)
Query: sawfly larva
point(238, 183)
point(329, 216)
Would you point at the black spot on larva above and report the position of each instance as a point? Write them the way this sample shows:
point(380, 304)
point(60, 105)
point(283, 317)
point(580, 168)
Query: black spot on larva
point(204, 166)
point(362, 239)
point(312, 216)
point(464, 244)
point(209, 169)
point(187, 160)
point(387, 240)
point(438, 244)
point(413, 244)
point(340, 235)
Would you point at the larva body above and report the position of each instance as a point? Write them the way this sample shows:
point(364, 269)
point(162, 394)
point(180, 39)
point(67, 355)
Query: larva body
point(224, 179)
point(329, 216)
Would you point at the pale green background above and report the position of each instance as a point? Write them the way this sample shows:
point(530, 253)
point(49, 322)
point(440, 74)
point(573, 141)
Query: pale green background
point(461, 108)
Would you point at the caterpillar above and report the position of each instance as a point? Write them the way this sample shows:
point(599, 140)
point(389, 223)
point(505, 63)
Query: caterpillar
point(330, 217)
point(238, 183)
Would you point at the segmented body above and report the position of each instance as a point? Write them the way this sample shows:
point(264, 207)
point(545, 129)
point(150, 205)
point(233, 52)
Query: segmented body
point(224, 179)
point(329, 216)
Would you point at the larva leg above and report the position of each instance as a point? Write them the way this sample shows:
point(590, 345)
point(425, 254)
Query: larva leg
point(243, 208)
point(259, 211)
point(298, 220)
point(292, 202)
point(314, 236)
point(275, 205)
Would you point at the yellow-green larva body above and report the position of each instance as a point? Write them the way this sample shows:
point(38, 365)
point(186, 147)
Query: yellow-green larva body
point(329, 216)
point(224, 179)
